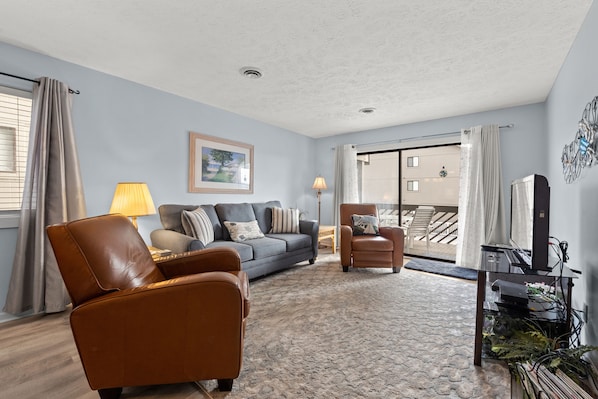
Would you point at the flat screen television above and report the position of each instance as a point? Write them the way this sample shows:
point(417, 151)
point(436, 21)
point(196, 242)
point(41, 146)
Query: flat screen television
point(530, 211)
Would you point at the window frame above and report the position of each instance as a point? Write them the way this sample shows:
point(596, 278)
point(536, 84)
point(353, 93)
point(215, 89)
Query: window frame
point(9, 218)
point(413, 161)
point(413, 185)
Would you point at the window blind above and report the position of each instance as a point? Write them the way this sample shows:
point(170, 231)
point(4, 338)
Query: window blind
point(15, 119)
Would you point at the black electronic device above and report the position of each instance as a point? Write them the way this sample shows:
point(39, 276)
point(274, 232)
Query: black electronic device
point(530, 211)
point(511, 292)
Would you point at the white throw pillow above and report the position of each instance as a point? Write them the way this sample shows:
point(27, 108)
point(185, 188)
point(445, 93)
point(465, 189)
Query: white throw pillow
point(285, 220)
point(197, 223)
point(242, 231)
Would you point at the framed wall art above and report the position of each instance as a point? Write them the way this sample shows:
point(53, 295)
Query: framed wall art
point(218, 165)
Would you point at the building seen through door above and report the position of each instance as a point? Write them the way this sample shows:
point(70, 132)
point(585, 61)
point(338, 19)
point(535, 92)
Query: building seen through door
point(400, 181)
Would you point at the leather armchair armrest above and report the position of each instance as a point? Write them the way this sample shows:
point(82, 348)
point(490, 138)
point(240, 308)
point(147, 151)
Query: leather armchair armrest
point(162, 329)
point(397, 236)
point(393, 233)
point(206, 260)
point(346, 237)
point(175, 241)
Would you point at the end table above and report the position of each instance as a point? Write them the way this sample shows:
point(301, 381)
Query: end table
point(325, 233)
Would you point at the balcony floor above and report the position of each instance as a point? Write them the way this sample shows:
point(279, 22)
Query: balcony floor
point(446, 252)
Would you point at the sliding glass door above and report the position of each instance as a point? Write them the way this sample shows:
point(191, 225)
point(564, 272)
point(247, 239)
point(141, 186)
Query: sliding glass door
point(400, 181)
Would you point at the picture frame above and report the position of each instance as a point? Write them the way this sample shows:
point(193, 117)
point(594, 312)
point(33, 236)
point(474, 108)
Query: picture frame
point(218, 165)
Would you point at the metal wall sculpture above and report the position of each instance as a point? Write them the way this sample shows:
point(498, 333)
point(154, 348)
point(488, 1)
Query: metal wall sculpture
point(583, 151)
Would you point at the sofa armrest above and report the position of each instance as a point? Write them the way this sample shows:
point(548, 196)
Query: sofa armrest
point(311, 228)
point(177, 329)
point(206, 260)
point(175, 241)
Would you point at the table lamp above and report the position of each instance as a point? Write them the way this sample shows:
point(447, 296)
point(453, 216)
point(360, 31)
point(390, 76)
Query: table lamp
point(132, 200)
point(319, 184)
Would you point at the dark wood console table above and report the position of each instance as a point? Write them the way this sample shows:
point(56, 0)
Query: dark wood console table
point(485, 279)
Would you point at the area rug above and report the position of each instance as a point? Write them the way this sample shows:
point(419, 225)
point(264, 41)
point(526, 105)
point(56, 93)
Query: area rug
point(317, 332)
point(443, 268)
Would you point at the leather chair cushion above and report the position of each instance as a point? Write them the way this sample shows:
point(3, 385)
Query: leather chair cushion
point(371, 243)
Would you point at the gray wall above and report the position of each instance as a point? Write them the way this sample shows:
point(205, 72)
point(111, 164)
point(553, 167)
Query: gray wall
point(129, 132)
point(574, 207)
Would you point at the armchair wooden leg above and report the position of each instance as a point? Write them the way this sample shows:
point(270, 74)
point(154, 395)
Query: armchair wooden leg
point(110, 393)
point(225, 385)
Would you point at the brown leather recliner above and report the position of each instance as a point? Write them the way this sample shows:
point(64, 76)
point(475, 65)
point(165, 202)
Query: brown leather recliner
point(384, 250)
point(136, 322)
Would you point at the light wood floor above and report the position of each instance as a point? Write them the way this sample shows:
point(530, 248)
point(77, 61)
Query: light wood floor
point(38, 359)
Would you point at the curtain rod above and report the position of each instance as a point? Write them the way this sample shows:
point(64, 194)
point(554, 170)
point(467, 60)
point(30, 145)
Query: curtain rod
point(507, 126)
point(34, 81)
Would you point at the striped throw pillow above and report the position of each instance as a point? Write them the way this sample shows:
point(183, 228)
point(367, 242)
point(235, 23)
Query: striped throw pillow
point(285, 220)
point(197, 223)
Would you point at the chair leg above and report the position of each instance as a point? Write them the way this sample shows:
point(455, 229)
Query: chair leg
point(110, 393)
point(428, 243)
point(396, 269)
point(225, 385)
point(345, 269)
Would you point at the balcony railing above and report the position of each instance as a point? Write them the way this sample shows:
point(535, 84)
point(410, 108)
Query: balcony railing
point(443, 229)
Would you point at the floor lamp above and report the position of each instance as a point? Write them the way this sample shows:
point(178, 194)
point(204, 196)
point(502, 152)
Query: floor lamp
point(319, 184)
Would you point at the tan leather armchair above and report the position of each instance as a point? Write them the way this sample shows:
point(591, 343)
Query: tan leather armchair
point(136, 322)
point(384, 250)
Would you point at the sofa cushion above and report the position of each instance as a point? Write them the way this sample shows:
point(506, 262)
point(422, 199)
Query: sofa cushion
point(245, 251)
point(263, 213)
point(365, 225)
point(243, 231)
point(285, 220)
point(293, 241)
point(265, 247)
point(170, 216)
point(197, 223)
point(242, 212)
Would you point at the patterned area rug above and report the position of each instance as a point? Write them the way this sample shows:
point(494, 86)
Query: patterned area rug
point(316, 332)
point(443, 268)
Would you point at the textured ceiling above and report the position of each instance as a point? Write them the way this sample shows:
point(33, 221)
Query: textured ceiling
point(322, 60)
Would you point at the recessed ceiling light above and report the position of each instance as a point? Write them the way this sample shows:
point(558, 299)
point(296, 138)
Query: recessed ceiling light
point(251, 72)
point(367, 110)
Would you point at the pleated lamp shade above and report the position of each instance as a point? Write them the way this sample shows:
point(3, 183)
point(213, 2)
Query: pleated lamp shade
point(319, 183)
point(132, 200)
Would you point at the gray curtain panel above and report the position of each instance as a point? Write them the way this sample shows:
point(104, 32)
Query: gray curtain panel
point(53, 194)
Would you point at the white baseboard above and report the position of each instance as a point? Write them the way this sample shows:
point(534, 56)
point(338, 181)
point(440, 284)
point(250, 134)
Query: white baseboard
point(4, 317)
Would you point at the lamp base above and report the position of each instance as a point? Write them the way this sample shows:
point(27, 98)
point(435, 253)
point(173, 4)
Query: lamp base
point(319, 204)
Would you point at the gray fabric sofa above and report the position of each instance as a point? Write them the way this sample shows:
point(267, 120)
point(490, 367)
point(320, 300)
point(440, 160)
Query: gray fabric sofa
point(259, 256)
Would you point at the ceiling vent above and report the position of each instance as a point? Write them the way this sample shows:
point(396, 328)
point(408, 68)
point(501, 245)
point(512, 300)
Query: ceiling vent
point(367, 110)
point(250, 72)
